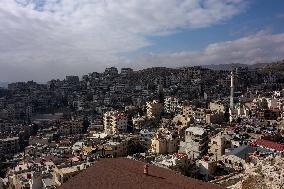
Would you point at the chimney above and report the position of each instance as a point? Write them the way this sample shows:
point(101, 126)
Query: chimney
point(146, 171)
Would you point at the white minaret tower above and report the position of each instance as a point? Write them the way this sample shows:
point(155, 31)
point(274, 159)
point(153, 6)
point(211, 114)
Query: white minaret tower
point(232, 91)
point(232, 97)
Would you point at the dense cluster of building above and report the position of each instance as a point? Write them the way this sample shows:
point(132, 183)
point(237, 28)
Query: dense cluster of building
point(217, 126)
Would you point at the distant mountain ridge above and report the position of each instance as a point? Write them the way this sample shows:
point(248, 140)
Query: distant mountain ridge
point(228, 67)
point(4, 84)
point(275, 66)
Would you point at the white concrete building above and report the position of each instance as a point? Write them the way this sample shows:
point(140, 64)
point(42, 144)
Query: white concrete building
point(196, 142)
point(114, 122)
point(154, 109)
point(172, 105)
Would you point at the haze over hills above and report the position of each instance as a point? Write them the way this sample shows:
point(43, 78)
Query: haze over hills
point(234, 65)
point(275, 66)
point(3, 84)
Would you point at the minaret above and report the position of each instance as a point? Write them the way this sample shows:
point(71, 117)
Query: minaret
point(231, 97)
point(232, 91)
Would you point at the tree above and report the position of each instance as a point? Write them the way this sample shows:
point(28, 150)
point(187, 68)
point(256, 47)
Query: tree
point(226, 115)
point(135, 147)
point(86, 124)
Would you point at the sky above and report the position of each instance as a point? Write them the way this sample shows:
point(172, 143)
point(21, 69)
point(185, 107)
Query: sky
point(45, 39)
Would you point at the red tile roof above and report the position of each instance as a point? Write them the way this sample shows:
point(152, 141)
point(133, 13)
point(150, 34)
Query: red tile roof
point(128, 174)
point(269, 144)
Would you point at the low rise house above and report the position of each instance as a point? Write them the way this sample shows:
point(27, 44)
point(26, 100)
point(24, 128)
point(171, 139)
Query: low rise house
point(177, 161)
point(63, 173)
point(206, 167)
point(165, 142)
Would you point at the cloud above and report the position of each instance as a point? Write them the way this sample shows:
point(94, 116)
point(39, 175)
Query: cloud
point(261, 47)
point(41, 39)
point(280, 15)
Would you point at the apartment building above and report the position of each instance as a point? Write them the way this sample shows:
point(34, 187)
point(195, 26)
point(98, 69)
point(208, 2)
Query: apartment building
point(9, 145)
point(217, 106)
point(114, 122)
point(126, 71)
point(172, 105)
point(196, 142)
point(70, 128)
point(217, 146)
point(164, 143)
point(154, 108)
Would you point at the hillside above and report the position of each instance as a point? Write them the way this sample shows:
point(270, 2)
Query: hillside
point(4, 84)
point(228, 67)
point(275, 66)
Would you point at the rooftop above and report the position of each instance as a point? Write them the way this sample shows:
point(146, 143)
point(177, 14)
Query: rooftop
point(269, 144)
point(126, 173)
point(196, 130)
point(9, 139)
point(242, 151)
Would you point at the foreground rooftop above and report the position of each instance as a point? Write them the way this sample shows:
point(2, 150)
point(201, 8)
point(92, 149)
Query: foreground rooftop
point(126, 173)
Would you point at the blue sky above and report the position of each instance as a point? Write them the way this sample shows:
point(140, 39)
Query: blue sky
point(45, 39)
point(259, 15)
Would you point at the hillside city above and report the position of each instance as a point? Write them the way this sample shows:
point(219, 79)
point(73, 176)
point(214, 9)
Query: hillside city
point(170, 127)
